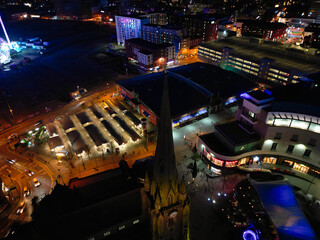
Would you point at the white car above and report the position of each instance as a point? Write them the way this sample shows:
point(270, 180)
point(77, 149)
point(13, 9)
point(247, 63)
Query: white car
point(36, 182)
point(11, 161)
point(21, 207)
point(29, 172)
point(26, 191)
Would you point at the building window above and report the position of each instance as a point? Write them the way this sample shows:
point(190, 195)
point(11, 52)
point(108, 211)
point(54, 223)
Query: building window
point(278, 135)
point(290, 149)
point(274, 146)
point(301, 167)
point(270, 160)
point(294, 138)
point(307, 153)
point(312, 142)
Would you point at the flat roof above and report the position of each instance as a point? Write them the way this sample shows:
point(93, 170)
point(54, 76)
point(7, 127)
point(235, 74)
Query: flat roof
point(96, 136)
point(296, 99)
point(259, 95)
point(236, 134)
point(96, 112)
point(164, 26)
point(246, 49)
point(190, 87)
point(214, 143)
point(54, 142)
point(147, 44)
point(83, 118)
point(77, 142)
point(215, 79)
point(145, 52)
point(66, 123)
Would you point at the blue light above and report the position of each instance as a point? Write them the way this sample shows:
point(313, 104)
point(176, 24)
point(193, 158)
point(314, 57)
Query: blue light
point(249, 235)
point(185, 118)
point(245, 95)
point(268, 92)
point(282, 207)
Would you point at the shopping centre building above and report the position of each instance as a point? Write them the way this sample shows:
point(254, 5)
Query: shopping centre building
point(195, 90)
point(280, 128)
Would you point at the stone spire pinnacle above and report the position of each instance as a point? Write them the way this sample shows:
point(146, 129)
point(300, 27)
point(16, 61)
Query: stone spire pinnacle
point(164, 168)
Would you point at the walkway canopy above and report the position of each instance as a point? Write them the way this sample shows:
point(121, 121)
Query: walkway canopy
point(279, 201)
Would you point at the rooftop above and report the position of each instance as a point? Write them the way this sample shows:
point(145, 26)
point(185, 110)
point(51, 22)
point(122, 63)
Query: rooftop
point(259, 95)
point(283, 58)
point(54, 142)
point(266, 25)
point(164, 26)
point(296, 99)
point(190, 87)
point(66, 123)
point(145, 52)
point(215, 79)
point(83, 118)
point(235, 134)
point(147, 44)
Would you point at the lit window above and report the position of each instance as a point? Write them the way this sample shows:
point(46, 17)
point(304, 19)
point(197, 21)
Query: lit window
point(282, 122)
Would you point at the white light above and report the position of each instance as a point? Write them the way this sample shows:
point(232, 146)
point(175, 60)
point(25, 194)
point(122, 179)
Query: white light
point(209, 199)
point(269, 141)
point(219, 194)
point(256, 158)
point(213, 201)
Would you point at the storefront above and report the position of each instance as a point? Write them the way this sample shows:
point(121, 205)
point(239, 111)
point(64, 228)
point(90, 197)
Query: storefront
point(189, 118)
point(217, 165)
point(300, 167)
point(220, 165)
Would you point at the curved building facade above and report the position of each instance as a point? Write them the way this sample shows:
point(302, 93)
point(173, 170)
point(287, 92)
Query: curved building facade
point(269, 129)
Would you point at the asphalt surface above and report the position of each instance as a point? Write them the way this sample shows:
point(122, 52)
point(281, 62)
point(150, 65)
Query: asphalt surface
point(70, 61)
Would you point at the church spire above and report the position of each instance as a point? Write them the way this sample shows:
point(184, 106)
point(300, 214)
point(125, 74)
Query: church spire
point(165, 163)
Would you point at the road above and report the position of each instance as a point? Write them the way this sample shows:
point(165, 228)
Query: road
point(15, 175)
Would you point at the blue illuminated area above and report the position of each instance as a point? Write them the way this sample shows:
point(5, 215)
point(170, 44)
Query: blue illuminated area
point(281, 205)
point(245, 95)
point(249, 235)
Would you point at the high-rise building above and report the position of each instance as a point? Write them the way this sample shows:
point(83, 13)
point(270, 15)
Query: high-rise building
point(264, 30)
point(163, 34)
point(197, 26)
point(165, 197)
point(158, 18)
point(129, 27)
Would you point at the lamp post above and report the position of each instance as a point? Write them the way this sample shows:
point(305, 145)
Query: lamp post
point(8, 105)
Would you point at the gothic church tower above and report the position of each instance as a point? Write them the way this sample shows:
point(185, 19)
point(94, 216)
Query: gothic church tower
point(165, 197)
